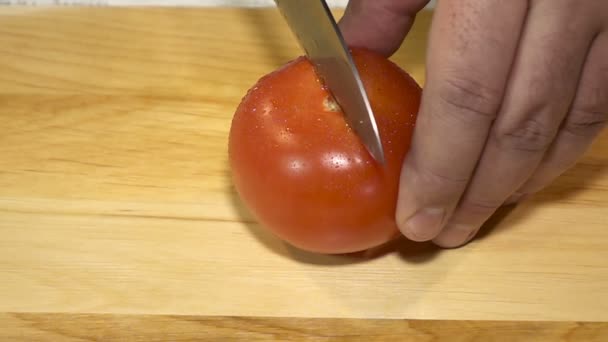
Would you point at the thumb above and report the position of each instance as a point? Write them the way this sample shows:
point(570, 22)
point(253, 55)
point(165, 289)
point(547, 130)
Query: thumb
point(379, 25)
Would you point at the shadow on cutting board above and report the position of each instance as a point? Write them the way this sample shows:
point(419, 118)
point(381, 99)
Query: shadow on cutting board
point(566, 186)
point(409, 251)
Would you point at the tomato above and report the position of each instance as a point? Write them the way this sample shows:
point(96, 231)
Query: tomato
point(303, 172)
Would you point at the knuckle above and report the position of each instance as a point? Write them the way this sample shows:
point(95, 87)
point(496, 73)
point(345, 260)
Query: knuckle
point(528, 136)
point(441, 178)
point(468, 100)
point(587, 119)
point(586, 122)
point(436, 173)
point(477, 209)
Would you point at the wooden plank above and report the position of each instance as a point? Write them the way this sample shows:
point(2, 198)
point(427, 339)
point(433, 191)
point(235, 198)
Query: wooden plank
point(84, 327)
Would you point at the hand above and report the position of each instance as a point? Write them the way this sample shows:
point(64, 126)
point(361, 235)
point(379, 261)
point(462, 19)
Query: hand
point(515, 93)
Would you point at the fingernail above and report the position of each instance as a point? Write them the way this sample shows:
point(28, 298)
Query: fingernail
point(424, 225)
point(455, 235)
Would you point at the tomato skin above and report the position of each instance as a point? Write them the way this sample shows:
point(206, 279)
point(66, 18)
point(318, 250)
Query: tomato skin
point(304, 173)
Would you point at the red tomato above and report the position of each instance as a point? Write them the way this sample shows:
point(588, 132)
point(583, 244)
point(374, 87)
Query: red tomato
point(303, 172)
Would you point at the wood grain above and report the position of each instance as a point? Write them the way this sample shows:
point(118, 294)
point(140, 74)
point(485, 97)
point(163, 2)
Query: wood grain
point(115, 195)
point(83, 327)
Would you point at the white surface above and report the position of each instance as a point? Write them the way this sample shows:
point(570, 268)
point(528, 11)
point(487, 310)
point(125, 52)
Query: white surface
point(247, 3)
point(155, 2)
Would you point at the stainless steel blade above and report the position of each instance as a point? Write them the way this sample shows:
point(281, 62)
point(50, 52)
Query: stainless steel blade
point(313, 24)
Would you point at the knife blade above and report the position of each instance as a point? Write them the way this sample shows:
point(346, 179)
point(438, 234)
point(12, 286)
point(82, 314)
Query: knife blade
point(314, 26)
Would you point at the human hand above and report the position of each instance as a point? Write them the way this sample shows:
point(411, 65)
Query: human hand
point(515, 93)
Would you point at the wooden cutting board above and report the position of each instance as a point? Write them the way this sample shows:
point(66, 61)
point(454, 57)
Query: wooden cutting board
point(118, 219)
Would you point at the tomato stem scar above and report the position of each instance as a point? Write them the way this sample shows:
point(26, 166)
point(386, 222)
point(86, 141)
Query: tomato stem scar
point(330, 104)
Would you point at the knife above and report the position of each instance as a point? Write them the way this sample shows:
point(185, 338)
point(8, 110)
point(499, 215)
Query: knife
point(315, 28)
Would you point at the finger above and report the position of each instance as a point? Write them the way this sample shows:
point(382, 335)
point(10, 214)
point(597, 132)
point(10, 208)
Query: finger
point(379, 25)
point(587, 118)
point(544, 78)
point(470, 54)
